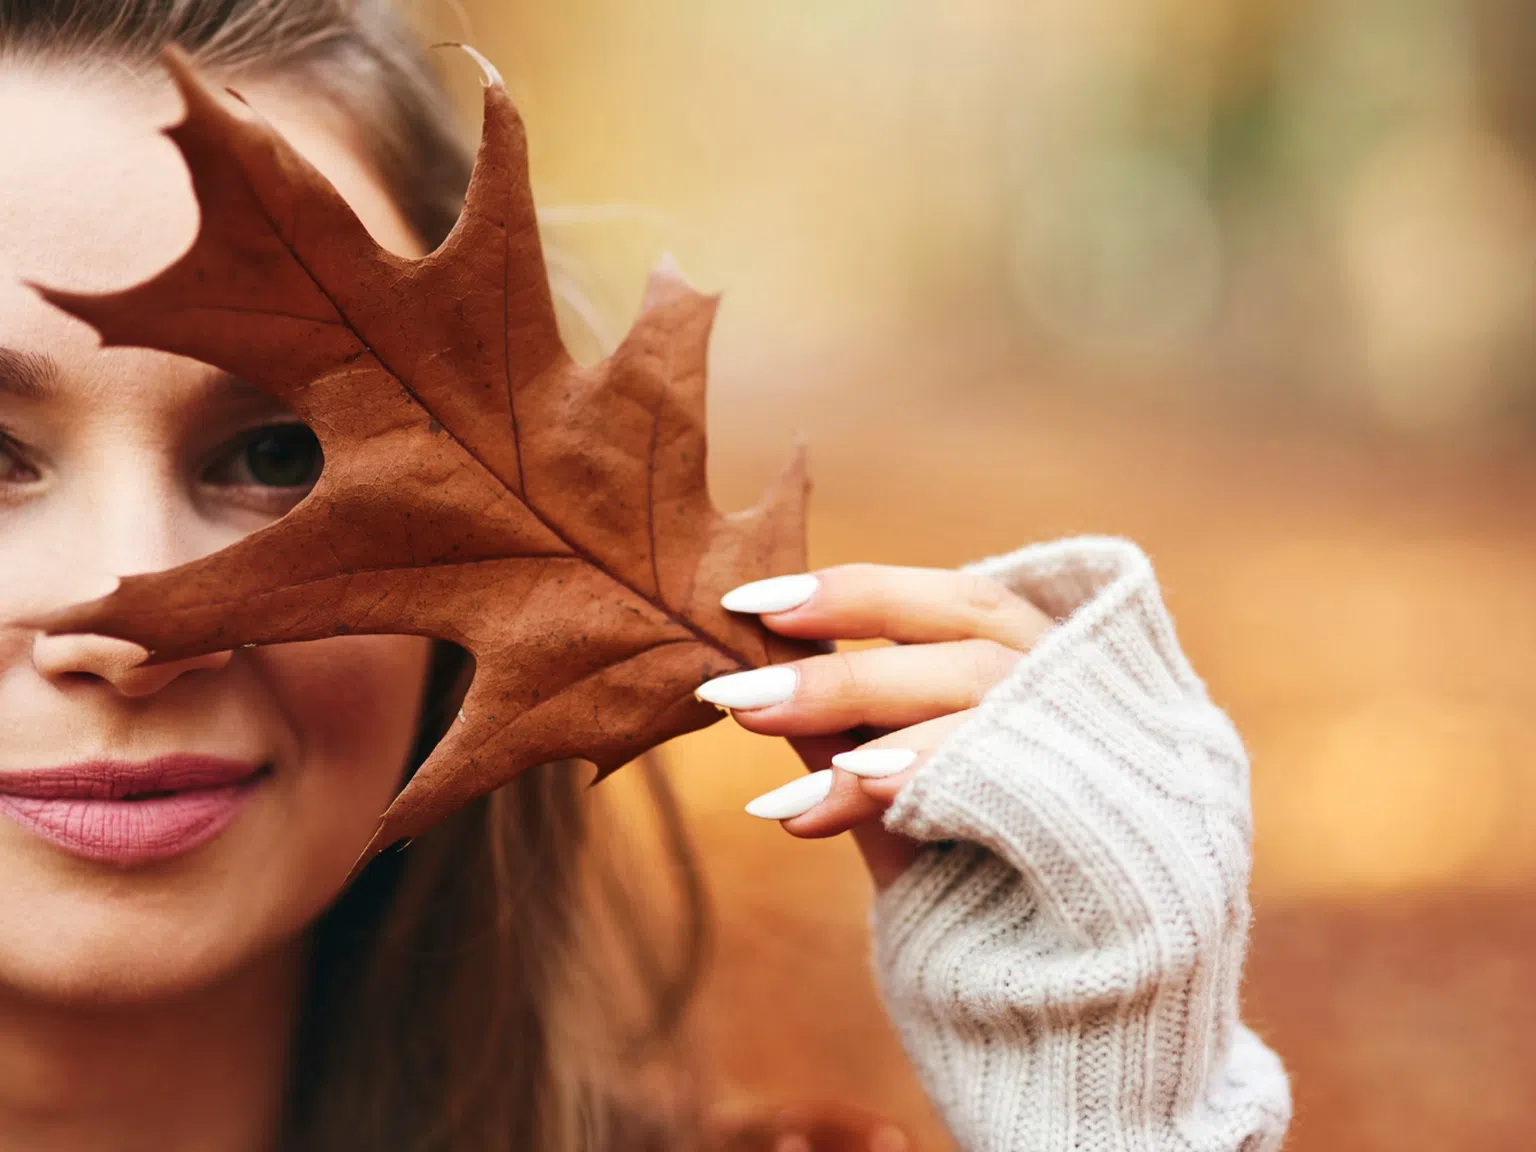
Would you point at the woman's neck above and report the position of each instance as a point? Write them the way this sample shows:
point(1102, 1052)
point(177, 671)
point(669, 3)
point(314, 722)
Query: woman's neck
point(204, 1070)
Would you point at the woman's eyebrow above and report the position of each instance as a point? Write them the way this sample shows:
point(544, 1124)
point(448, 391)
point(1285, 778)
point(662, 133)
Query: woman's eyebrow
point(27, 375)
point(35, 375)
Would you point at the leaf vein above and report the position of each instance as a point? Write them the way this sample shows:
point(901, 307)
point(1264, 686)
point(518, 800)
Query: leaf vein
point(526, 497)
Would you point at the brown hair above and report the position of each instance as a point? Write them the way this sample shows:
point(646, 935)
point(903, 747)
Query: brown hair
point(503, 982)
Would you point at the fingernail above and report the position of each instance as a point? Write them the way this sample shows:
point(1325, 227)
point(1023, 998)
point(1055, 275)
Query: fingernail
point(776, 594)
point(755, 689)
point(794, 799)
point(873, 763)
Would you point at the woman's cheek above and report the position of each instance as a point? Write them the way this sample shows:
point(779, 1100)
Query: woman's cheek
point(339, 719)
point(352, 704)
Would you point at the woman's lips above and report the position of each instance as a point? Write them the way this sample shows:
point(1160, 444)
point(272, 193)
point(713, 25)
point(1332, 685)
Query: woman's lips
point(131, 813)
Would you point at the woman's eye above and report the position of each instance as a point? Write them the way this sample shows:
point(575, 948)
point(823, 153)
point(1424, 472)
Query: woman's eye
point(283, 458)
point(14, 469)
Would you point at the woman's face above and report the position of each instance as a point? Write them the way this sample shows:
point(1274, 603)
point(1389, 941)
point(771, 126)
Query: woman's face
point(119, 461)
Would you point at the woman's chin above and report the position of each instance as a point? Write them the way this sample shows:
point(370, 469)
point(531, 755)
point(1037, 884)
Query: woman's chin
point(78, 930)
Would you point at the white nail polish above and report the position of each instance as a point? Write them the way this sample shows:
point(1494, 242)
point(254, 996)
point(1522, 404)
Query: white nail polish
point(874, 763)
point(794, 799)
point(755, 689)
point(776, 594)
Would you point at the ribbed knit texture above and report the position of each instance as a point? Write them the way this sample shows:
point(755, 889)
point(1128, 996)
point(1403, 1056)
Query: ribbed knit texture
point(1063, 965)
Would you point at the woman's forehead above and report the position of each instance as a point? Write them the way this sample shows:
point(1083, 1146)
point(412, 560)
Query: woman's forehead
point(94, 196)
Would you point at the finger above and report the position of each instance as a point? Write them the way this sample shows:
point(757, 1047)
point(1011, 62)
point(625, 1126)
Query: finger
point(863, 781)
point(885, 854)
point(908, 605)
point(855, 797)
point(890, 687)
point(829, 802)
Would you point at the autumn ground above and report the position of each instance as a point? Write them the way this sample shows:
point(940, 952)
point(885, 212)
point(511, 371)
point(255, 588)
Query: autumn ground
point(1367, 615)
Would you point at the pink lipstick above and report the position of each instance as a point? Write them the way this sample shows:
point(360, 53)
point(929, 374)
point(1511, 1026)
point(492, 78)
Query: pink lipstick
point(126, 813)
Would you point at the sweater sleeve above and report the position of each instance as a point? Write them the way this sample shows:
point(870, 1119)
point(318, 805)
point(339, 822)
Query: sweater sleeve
point(1063, 959)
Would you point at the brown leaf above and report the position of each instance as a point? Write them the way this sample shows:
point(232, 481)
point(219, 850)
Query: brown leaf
point(479, 485)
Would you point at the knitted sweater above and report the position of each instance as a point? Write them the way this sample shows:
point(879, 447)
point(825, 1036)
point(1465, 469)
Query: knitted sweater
point(1063, 960)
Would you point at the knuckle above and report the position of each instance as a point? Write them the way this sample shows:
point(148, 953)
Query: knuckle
point(852, 684)
point(988, 662)
point(834, 680)
point(985, 596)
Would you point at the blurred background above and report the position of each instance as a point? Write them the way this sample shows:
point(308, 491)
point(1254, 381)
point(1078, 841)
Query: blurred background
point(1253, 283)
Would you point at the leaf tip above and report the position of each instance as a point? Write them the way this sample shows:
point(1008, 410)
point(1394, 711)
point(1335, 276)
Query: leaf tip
point(667, 284)
point(795, 476)
point(602, 774)
point(667, 265)
point(77, 618)
point(53, 296)
point(176, 61)
point(72, 302)
point(490, 75)
point(198, 102)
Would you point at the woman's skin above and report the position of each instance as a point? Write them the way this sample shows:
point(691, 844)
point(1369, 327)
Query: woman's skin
point(150, 1006)
point(157, 1001)
point(956, 636)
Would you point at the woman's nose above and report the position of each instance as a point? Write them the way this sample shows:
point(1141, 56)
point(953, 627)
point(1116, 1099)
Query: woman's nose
point(116, 530)
point(116, 662)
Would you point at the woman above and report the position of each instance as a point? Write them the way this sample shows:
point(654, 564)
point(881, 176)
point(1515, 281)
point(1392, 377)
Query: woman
point(1057, 823)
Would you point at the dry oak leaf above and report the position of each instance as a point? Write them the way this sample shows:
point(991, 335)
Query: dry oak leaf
point(479, 485)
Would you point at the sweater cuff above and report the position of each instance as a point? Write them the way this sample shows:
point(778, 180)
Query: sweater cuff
point(1063, 964)
point(1099, 770)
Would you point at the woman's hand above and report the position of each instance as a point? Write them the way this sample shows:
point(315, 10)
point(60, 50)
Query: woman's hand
point(864, 720)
